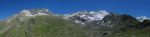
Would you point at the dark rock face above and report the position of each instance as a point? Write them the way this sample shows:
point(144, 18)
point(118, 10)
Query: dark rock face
point(145, 23)
point(120, 22)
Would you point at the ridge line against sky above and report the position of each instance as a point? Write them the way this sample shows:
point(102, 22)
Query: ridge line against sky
point(131, 7)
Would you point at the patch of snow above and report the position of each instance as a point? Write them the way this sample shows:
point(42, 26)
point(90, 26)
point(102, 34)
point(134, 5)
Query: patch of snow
point(26, 12)
point(142, 18)
point(76, 21)
point(92, 12)
point(82, 15)
point(82, 23)
point(41, 14)
point(97, 15)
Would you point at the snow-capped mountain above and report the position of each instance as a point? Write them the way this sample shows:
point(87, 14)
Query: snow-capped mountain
point(92, 15)
point(142, 18)
point(26, 14)
point(88, 16)
point(35, 12)
point(102, 19)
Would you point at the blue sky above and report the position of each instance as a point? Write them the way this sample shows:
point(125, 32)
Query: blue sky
point(131, 7)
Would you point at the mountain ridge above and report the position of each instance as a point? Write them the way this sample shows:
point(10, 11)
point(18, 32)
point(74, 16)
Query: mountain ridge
point(42, 23)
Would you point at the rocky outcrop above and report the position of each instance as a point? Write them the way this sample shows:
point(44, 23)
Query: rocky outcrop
point(144, 24)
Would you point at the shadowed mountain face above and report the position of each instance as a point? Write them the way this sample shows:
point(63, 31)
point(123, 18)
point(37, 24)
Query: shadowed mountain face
point(42, 23)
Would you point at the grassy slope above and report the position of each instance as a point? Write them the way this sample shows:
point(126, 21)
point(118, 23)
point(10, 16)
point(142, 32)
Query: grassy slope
point(46, 27)
point(133, 33)
point(1, 25)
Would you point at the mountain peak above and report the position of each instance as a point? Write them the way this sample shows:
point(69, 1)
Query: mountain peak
point(35, 12)
point(91, 15)
point(87, 16)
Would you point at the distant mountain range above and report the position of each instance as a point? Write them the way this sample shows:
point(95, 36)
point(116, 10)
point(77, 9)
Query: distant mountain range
point(42, 23)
